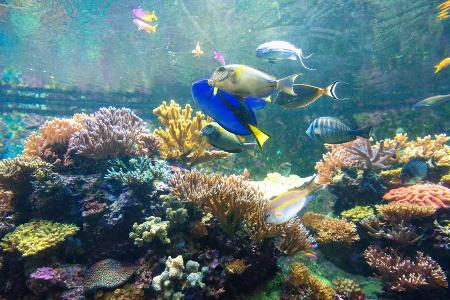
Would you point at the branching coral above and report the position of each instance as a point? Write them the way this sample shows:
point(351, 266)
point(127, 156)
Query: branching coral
point(358, 213)
point(152, 228)
point(148, 144)
point(300, 275)
point(107, 273)
point(347, 288)
point(110, 133)
point(404, 273)
point(237, 266)
point(442, 234)
point(330, 230)
point(371, 157)
point(181, 136)
point(396, 212)
point(36, 236)
point(401, 233)
point(428, 195)
point(18, 170)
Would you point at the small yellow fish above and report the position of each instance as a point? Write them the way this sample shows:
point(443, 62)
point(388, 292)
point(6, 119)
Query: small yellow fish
point(443, 64)
point(144, 26)
point(197, 51)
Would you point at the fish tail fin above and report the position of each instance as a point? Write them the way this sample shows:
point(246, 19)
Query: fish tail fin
point(364, 132)
point(300, 59)
point(286, 84)
point(330, 90)
point(259, 135)
point(250, 148)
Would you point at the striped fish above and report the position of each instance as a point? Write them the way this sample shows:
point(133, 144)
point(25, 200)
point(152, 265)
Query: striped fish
point(333, 131)
point(287, 205)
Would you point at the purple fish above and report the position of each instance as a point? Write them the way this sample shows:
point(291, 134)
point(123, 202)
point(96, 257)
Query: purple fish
point(145, 15)
point(219, 57)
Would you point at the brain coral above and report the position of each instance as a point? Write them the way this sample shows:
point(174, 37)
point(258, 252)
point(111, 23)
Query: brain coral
point(107, 273)
point(421, 194)
point(36, 236)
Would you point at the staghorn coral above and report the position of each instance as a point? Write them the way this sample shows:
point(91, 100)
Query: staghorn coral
point(127, 292)
point(401, 233)
point(347, 288)
point(428, 195)
point(404, 273)
point(396, 212)
point(330, 230)
point(358, 213)
point(107, 273)
point(153, 228)
point(110, 133)
point(36, 236)
point(300, 275)
point(237, 266)
point(370, 157)
point(148, 144)
point(181, 136)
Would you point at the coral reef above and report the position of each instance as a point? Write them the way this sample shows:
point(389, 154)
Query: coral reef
point(237, 266)
point(153, 228)
point(300, 275)
point(397, 211)
point(128, 292)
point(181, 136)
point(110, 133)
point(370, 157)
point(358, 213)
point(330, 230)
point(108, 273)
point(430, 195)
point(347, 288)
point(36, 236)
point(403, 273)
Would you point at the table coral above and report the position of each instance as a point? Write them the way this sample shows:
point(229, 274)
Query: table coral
point(358, 213)
point(36, 236)
point(430, 195)
point(300, 275)
point(181, 135)
point(397, 211)
point(153, 228)
point(330, 230)
point(403, 273)
point(110, 133)
point(107, 273)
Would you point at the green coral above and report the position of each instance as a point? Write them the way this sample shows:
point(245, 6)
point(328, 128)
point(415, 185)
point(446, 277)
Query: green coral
point(176, 214)
point(36, 236)
point(153, 228)
point(358, 213)
point(137, 171)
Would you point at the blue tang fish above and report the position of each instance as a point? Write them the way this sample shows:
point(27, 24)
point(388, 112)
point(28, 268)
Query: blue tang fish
point(280, 50)
point(228, 111)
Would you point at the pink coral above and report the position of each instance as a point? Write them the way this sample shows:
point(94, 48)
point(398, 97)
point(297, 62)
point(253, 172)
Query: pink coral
point(431, 195)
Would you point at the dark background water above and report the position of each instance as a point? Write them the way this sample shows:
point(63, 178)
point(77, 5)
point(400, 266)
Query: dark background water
point(90, 54)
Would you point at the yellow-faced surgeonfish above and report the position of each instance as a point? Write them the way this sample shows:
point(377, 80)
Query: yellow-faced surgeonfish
point(244, 81)
point(228, 111)
point(287, 205)
point(333, 131)
point(224, 140)
point(306, 94)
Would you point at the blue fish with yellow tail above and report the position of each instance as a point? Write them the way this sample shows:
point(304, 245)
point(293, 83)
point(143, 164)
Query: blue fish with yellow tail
point(333, 131)
point(287, 205)
point(228, 111)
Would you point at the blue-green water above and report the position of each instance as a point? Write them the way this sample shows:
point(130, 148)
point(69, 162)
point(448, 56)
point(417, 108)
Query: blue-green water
point(59, 58)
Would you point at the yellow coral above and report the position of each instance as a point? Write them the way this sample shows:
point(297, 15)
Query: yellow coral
point(36, 236)
point(127, 292)
point(396, 212)
point(347, 288)
point(358, 213)
point(392, 177)
point(300, 275)
point(14, 171)
point(445, 179)
point(181, 136)
point(237, 266)
point(330, 230)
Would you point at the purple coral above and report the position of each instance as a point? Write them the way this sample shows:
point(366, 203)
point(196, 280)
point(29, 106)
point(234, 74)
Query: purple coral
point(110, 133)
point(45, 273)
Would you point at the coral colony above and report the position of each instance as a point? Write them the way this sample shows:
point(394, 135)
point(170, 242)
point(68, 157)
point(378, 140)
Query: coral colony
point(100, 207)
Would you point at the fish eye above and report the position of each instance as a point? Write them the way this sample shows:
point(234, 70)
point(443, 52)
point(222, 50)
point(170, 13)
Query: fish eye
point(266, 217)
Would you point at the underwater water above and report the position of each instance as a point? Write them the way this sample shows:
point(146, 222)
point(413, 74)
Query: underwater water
point(224, 149)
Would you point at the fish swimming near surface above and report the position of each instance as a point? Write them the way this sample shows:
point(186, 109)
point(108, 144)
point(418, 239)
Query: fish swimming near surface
point(306, 95)
point(224, 140)
point(287, 205)
point(280, 50)
point(413, 171)
point(218, 56)
point(244, 81)
point(197, 50)
point(144, 26)
point(442, 64)
point(432, 101)
point(233, 114)
point(145, 15)
point(333, 131)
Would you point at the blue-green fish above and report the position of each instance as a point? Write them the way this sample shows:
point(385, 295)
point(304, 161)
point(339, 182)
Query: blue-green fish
point(225, 140)
point(280, 50)
point(333, 131)
point(413, 171)
point(432, 101)
point(287, 205)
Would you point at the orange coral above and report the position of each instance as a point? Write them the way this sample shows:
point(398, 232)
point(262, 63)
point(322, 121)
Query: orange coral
point(300, 275)
point(397, 211)
point(421, 194)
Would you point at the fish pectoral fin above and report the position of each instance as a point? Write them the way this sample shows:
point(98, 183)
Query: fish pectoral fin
point(259, 135)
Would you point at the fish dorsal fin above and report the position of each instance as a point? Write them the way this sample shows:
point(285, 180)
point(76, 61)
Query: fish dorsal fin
point(241, 138)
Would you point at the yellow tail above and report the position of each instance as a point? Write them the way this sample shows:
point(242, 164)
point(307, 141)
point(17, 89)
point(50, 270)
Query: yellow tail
point(259, 135)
